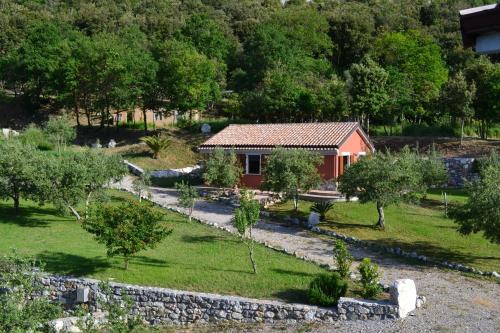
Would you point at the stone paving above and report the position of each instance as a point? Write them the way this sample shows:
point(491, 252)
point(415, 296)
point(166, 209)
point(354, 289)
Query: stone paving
point(455, 303)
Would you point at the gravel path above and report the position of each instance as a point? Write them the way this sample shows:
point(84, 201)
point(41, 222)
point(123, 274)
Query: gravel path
point(455, 303)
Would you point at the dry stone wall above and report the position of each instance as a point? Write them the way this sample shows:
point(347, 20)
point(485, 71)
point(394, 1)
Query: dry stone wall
point(168, 306)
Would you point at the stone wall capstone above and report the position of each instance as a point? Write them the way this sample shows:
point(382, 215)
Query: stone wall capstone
point(168, 306)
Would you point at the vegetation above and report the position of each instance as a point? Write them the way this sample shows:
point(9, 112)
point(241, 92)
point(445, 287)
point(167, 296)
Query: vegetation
point(387, 178)
point(322, 208)
point(196, 257)
point(422, 228)
point(59, 131)
point(343, 259)
point(141, 185)
point(157, 144)
point(21, 312)
point(481, 212)
point(326, 289)
point(291, 172)
point(127, 228)
point(370, 278)
point(187, 196)
point(222, 169)
point(245, 217)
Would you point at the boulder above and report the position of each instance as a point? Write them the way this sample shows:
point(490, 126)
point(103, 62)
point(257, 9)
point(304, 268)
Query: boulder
point(112, 143)
point(404, 294)
point(313, 220)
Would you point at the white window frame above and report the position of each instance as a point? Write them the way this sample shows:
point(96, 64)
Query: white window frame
point(348, 160)
point(247, 164)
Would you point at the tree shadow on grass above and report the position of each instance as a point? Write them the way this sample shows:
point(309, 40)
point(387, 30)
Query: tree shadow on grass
point(289, 272)
point(292, 295)
point(202, 239)
point(30, 216)
point(347, 226)
point(71, 264)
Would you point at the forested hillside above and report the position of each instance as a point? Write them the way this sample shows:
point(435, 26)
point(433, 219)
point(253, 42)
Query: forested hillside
point(384, 62)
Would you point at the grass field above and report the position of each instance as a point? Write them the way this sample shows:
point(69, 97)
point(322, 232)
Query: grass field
point(422, 228)
point(195, 257)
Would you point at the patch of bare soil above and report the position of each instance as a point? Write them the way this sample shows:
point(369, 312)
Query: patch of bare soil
point(449, 147)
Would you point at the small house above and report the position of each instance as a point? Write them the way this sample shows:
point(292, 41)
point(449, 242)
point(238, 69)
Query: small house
point(339, 143)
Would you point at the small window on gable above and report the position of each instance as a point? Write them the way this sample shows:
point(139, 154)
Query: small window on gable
point(253, 164)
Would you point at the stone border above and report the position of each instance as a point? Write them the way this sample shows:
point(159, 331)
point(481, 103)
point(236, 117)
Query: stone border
point(396, 251)
point(169, 306)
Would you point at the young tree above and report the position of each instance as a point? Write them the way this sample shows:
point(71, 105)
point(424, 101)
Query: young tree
point(17, 171)
point(127, 228)
point(222, 169)
point(157, 144)
point(292, 172)
point(141, 185)
point(245, 217)
point(385, 179)
point(59, 131)
point(187, 196)
point(457, 97)
point(481, 212)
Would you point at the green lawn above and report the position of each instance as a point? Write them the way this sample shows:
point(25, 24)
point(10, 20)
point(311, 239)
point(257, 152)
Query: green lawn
point(423, 229)
point(195, 257)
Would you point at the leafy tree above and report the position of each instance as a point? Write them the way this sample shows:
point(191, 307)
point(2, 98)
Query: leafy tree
point(385, 179)
point(127, 228)
point(292, 172)
point(245, 217)
point(433, 169)
point(59, 131)
point(222, 169)
point(367, 87)
point(157, 144)
point(343, 258)
point(370, 278)
point(187, 196)
point(17, 171)
point(457, 97)
point(481, 212)
point(21, 312)
point(141, 185)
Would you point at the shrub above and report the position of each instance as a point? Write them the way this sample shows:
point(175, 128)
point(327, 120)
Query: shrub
point(369, 278)
point(157, 144)
point(343, 258)
point(34, 136)
point(59, 130)
point(322, 208)
point(187, 196)
point(326, 289)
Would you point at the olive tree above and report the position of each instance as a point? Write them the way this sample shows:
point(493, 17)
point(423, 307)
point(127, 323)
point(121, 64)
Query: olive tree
point(222, 169)
point(245, 217)
point(187, 197)
point(127, 228)
point(291, 172)
point(386, 178)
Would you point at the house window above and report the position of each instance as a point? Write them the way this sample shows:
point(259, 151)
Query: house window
point(253, 164)
point(346, 161)
point(158, 115)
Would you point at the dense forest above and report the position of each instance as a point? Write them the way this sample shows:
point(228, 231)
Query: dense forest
point(391, 63)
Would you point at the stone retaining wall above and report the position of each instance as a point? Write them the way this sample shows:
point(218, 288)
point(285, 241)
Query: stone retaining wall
point(459, 170)
point(168, 306)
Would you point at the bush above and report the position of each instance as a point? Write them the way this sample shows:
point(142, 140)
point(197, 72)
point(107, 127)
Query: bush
point(326, 289)
point(34, 136)
point(426, 130)
point(322, 208)
point(343, 258)
point(369, 278)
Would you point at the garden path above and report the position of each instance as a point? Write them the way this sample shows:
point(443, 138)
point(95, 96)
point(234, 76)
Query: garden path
point(455, 303)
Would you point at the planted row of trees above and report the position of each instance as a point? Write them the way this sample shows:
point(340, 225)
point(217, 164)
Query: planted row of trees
point(388, 63)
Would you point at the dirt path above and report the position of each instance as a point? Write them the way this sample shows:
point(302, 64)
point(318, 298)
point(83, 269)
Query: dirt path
point(455, 303)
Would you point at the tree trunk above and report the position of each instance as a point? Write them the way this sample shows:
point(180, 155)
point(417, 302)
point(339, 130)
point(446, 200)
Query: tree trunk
point(250, 252)
point(126, 262)
point(16, 203)
point(144, 116)
point(87, 202)
point(77, 115)
point(368, 125)
point(296, 202)
point(462, 132)
point(73, 210)
point(381, 217)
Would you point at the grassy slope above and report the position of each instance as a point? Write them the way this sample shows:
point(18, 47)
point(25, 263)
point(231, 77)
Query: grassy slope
point(423, 229)
point(195, 257)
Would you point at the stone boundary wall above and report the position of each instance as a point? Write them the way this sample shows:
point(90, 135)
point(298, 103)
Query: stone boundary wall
point(169, 173)
point(459, 169)
point(175, 307)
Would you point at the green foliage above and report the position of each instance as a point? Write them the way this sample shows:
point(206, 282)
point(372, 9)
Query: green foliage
point(187, 196)
point(222, 169)
point(370, 278)
point(34, 136)
point(245, 217)
point(291, 171)
point(322, 208)
point(127, 228)
point(326, 289)
point(21, 312)
point(59, 131)
point(157, 144)
point(141, 185)
point(343, 258)
point(481, 212)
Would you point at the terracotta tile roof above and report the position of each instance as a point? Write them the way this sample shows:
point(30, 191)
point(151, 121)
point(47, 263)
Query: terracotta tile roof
point(284, 135)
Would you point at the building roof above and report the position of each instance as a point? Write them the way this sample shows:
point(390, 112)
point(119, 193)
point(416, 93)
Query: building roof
point(299, 135)
point(478, 21)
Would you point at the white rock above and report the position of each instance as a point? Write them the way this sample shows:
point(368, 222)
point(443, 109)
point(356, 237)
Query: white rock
point(57, 325)
point(112, 143)
point(205, 128)
point(495, 274)
point(404, 294)
point(5, 132)
point(313, 219)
